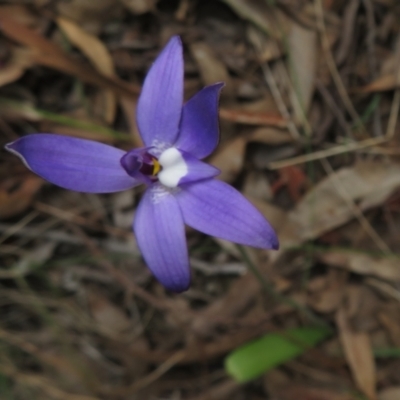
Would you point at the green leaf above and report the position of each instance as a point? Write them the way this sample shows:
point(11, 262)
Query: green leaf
point(254, 358)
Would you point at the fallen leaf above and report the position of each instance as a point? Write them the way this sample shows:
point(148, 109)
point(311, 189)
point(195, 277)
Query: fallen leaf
point(322, 209)
point(138, 7)
point(358, 352)
point(89, 14)
point(275, 215)
point(268, 47)
point(363, 264)
point(229, 159)
point(390, 321)
point(302, 50)
point(326, 292)
point(21, 60)
point(381, 84)
point(212, 69)
point(271, 136)
point(49, 54)
point(20, 13)
point(240, 116)
point(99, 56)
point(110, 318)
point(267, 18)
point(257, 186)
point(13, 202)
point(391, 393)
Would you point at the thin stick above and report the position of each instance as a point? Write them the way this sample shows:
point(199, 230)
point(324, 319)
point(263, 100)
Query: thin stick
point(341, 149)
point(332, 66)
point(269, 77)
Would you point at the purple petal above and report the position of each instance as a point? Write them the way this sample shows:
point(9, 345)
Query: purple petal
point(160, 234)
point(199, 130)
point(76, 164)
point(180, 167)
point(217, 209)
point(160, 103)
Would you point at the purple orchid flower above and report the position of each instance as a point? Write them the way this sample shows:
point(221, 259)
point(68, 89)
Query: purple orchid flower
point(181, 189)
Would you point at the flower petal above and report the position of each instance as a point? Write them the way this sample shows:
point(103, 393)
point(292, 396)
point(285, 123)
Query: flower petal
point(76, 164)
point(199, 130)
point(160, 234)
point(217, 209)
point(160, 103)
point(180, 167)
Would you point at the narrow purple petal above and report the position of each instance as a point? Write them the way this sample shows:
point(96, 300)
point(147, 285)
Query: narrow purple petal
point(217, 209)
point(199, 130)
point(160, 234)
point(160, 103)
point(76, 164)
point(197, 170)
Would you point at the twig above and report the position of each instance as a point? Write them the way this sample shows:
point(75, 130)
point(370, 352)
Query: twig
point(332, 66)
point(269, 77)
point(152, 377)
point(344, 148)
point(13, 229)
point(370, 39)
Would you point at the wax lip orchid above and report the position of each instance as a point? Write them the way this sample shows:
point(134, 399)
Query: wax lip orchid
point(181, 189)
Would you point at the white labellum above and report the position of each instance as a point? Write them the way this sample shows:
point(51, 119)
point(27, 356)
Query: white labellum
point(174, 167)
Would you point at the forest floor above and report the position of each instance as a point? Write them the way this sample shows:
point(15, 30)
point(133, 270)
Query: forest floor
point(309, 134)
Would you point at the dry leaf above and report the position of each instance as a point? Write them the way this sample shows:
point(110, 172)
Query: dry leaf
point(391, 393)
point(302, 50)
point(230, 159)
point(13, 202)
point(49, 54)
point(268, 47)
point(88, 13)
point(139, 6)
point(109, 317)
point(271, 136)
point(20, 61)
point(275, 215)
point(241, 116)
point(257, 186)
point(229, 306)
point(211, 68)
point(326, 292)
point(390, 321)
point(269, 19)
point(381, 84)
point(20, 13)
point(358, 351)
point(90, 45)
point(99, 56)
point(384, 268)
point(322, 209)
